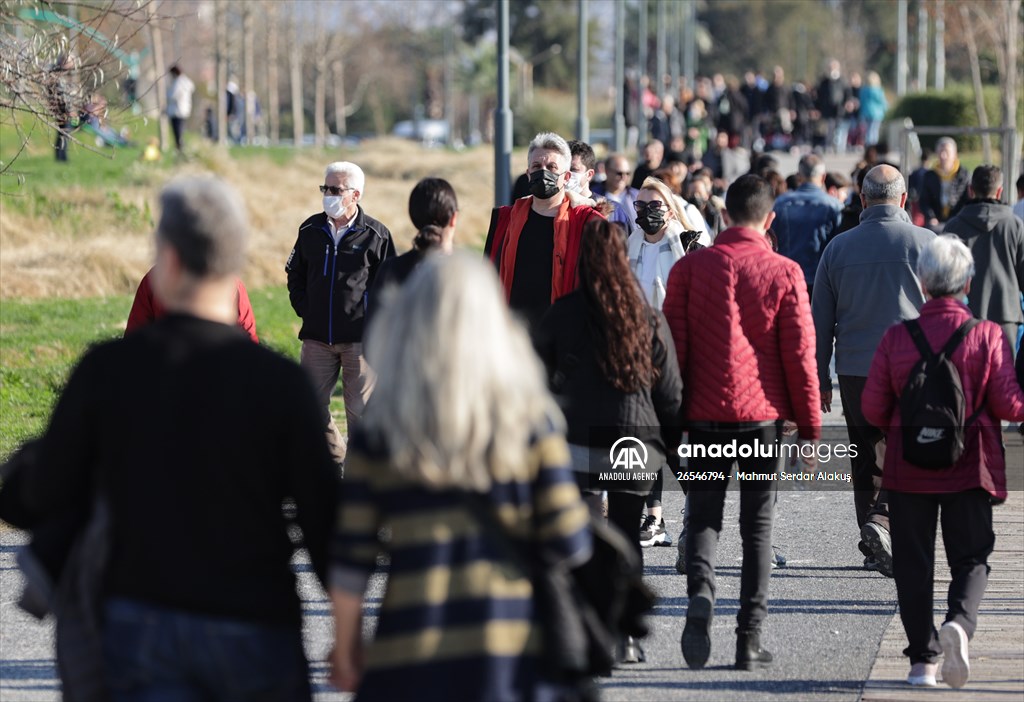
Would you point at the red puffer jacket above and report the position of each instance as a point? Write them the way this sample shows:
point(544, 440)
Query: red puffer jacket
point(743, 333)
point(986, 373)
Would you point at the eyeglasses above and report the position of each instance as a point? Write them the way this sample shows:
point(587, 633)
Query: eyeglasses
point(640, 206)
point(333, 189)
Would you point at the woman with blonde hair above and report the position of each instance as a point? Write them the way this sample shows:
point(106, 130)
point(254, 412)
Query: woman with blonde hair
point(460, 419)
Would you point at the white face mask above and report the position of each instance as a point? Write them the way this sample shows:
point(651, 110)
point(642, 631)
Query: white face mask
point(333, 207)
point(573, 186)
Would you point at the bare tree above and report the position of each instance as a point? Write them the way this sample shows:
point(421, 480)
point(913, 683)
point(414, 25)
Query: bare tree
point(50, 57)
point(249, 73)
point(273, 96)
point(320, 60)
point(979, 96)
point(156, 40)
point(295, 66)
point(221, 30)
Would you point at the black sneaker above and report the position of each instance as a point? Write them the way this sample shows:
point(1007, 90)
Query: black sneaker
point(878, 540)
point(653, 533)
point(696, 641)
point(681, 557)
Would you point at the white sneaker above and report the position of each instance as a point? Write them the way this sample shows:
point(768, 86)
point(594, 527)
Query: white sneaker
point(956, 668)
point(923, 674)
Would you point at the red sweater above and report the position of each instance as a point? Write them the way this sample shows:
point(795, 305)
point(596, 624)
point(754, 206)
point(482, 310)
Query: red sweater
point(146, 308)
point(743, 334)
point(986, 373)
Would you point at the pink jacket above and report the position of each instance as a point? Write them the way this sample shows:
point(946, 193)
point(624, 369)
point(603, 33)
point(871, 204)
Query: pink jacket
point(744, 338)
point(986, 372)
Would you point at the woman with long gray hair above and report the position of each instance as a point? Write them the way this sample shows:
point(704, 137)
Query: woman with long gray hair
point(460, 421)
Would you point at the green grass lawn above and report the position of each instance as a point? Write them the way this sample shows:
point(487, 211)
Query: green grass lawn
point(42, 340)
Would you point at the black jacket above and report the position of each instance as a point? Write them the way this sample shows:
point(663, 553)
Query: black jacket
point(596, 412)
point(931, 194)
point(328, 284)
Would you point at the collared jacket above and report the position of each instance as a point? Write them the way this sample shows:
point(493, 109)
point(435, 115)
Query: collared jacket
point(742, 330)
point(995, 237)
point(805, 220)
point(328, 282)
point(866, 282)
point(934, 203)
point(985, 364)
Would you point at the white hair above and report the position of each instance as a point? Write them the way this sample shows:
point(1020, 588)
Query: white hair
point(352, 174)
point(945, 265)
point(876, 189)
point(549, 141)
point(459, 388)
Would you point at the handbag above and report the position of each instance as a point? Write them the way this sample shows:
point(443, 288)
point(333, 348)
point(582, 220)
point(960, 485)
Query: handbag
point(583, 611)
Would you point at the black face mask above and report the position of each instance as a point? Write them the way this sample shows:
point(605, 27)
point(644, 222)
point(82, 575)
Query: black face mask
point(543, 184)
point(651, 221)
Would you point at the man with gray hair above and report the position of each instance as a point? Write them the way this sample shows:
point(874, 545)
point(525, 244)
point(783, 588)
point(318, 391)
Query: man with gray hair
point(535, 242)
point(182, 441)
point(807, 218)
point(333, 264)
point(995, 237)
point(864, 284)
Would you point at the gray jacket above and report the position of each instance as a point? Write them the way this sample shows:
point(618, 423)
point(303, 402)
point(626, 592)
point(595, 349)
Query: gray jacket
point(865, 283)
point(996, 239)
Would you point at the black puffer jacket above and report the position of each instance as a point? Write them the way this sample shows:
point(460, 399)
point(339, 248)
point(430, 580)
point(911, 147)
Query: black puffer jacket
point(328, 283)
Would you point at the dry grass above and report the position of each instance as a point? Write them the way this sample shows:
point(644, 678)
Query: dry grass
point(40, 257)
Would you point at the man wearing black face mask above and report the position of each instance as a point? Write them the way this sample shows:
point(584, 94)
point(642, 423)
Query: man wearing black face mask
point(535, 242)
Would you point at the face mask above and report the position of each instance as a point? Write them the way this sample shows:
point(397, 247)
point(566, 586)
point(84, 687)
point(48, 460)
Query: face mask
point(573, 186)
point(651, 221)
point(333, 207)
point(543, 184)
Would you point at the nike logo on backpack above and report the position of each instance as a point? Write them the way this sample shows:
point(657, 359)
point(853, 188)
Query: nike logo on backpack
point(929, 435)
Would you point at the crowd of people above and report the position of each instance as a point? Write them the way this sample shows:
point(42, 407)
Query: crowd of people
point(483, 403)
point(839, 113)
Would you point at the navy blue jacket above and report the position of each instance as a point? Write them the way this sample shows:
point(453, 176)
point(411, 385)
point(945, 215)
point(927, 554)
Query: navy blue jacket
point(328, 283)
point(805, 220)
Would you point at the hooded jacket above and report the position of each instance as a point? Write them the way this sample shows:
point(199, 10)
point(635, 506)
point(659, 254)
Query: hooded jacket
point(328, 282)
point(995, 237)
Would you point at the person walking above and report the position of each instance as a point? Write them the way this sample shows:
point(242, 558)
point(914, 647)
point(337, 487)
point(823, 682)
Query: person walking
point(460, 422)
point(960, 496)
point(433, 209)
point(865, 282)
point(179, 105)
point(331, 268)
point(535, 242)
point(183, 440)
point(746, 357)
point(996, 240)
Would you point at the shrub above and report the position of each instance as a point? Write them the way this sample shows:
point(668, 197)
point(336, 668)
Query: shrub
point(953, 107)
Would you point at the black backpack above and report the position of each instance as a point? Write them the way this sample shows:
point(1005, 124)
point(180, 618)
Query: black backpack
point(932, 405)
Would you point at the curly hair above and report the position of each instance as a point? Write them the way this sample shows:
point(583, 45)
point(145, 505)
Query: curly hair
point(619, 318)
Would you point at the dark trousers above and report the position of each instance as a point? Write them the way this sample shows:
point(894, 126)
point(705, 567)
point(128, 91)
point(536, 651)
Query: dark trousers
point(704, 524)
point(178, 127)
point(624, 511)
point(654, 496)
point(869, 500)
point(60, 145)
point(968, 539)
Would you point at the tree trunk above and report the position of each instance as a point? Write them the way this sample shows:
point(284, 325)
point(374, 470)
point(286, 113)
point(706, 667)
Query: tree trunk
point(273, 96)
point(979, 97)
point(338, 72)
point(249, 70)
point(940, 44)
point(295, 64)
point(221, 29)
point(157, 41)
point(1010, 75)
point(320, 80)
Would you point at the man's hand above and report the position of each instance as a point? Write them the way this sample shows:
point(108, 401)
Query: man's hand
point(808, 456)
point(826, 401)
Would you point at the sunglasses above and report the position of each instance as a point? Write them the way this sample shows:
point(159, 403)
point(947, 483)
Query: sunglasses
point(333, 189)
point(642, 207)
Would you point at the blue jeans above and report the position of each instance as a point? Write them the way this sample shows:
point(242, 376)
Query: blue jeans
point(155, 654)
